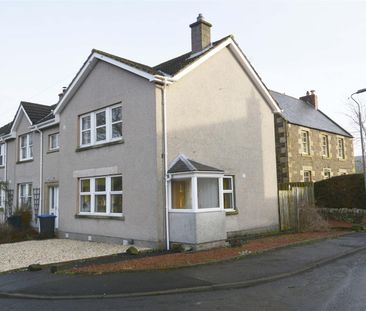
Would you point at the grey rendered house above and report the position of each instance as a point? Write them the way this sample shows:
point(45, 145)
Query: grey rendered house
point(180, 152)
point(309, 145)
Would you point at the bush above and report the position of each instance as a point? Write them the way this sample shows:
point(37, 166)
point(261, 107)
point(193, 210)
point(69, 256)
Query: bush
point(311, 220)
point(9, 234)
point(346, 191)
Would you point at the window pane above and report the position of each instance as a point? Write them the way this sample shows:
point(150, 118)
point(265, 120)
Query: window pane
point(101, 133)
point(23, 141)
point(116, 130)
point(85, 138)
point(100, 118)
point(100, 184)
point(208, 192)
point(85, 123)
point(85, 203)
point(116, 114)
point(30, 139)
point(24, 152)
point(31, 151)
point(85, 185)
point(227, 184)
point(228, 200)
point(116, 183)
point(181, 194)
point(100, 204)
point(116, 203)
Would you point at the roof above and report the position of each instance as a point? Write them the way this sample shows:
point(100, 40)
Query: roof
point(183, 164)
point(173, 66)
point(6, 129)
point(37, 112)
point(300, 112)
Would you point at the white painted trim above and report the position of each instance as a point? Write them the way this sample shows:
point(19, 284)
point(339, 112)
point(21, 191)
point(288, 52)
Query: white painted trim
point(95, 172)
point(21, 108)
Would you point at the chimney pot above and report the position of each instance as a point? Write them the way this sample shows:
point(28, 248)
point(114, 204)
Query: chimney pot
point(200, 34)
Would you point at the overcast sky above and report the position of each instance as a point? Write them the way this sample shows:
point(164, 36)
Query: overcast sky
point(295, 46)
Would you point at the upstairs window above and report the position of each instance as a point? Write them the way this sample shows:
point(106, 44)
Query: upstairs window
point(305, 144)
point(2, 154)
point(26, 147)
point(102, 126)
point(53, 142)
point(340, 147)
point(325, 145)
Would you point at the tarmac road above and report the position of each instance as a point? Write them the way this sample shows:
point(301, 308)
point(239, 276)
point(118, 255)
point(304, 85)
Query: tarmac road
point(339, 285)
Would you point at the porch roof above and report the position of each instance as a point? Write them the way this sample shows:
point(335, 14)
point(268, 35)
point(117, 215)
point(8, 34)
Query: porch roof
point(183, 164)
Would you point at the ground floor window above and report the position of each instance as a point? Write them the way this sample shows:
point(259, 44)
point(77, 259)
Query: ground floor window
point(101, 195)
point(326, 173)
point(307, 176)
point(208, 192)
point(228, 192)
point(2, 198)
point(25, 195)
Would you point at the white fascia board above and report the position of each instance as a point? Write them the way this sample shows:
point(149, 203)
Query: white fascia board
point(17, 117)
point(45, 124)
point(85, 68)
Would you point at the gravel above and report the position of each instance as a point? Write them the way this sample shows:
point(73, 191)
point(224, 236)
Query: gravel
point(22, 254)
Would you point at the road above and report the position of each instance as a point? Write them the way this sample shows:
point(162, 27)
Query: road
point(337, 286)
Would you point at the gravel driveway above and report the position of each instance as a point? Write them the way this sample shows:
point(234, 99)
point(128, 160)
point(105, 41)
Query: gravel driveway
point(22, 254)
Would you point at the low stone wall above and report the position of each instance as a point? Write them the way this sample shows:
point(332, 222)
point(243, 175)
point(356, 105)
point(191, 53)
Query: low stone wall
point(354, 215)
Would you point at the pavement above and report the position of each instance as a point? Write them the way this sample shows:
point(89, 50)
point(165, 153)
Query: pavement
point(244, 272)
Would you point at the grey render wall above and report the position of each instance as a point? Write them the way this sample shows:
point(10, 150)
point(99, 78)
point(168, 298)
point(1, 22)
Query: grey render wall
point(136, 158)
point(51, 165)
point(216, 116)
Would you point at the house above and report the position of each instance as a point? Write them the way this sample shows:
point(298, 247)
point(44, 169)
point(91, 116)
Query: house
point(309, 145)
point(180, 152)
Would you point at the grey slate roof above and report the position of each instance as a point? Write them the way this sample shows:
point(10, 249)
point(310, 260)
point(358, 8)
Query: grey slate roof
point(36, 112)
point(6, 129)
point(299, 112)
point(180, 166)
point(173, 66)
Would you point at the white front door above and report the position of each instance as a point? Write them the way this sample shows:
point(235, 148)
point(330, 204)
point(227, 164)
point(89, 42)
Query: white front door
point(53, 202)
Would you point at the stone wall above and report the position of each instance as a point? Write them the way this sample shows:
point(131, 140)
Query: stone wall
point(353, 215)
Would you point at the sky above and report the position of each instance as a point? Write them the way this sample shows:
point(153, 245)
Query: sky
point(294, 45)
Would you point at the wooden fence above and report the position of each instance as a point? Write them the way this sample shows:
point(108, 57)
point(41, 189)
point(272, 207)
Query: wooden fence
point(292, 197)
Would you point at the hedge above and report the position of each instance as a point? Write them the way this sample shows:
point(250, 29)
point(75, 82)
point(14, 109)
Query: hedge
point(346, 191)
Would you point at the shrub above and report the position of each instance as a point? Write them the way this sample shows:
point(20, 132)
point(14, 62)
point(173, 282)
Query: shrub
point(8, 234)
point(346, 191)
point(311, 220)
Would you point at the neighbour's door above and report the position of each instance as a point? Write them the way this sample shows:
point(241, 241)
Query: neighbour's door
point(53, 202)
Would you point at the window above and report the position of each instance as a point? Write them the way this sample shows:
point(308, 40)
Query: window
point(26, 147)
point(228, 191)
point(25, 195)
point(2, 198)
point(208, 192)
point(101, 195)
point(2, 154)
point(307, 176)
point(53, 142)
point(340, 147)
point(305, 148)
point(325, 145)
point(101, 126)
point(181, 194)
point(326, 173)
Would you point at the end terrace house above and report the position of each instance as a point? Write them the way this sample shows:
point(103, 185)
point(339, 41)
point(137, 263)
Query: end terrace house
point(180, 152)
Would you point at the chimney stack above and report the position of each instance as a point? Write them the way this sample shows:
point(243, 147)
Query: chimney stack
point(62, 93)
point(200, 34)
point(311, 98)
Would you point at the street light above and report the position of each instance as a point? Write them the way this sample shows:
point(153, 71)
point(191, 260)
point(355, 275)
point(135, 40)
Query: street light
point(361, 134)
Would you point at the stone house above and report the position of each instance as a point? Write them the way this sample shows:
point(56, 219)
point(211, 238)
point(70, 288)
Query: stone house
point(151, 155)
point(309, 145)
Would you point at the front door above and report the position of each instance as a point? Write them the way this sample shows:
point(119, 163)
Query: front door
point(53, 202)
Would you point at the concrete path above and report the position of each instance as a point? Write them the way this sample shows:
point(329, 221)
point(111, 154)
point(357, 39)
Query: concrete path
point(244, 272)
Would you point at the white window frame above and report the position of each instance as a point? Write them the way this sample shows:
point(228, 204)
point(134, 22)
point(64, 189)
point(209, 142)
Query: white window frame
point(93, 127)
point(27, 194)
point(2, 155)
point(57, 140)
point(28, 147)
point(305, 142)
point(327, 171)
point(2, 198)
point(310, 175)
point(340, 148)
point(108, 193)
point(325, 145)
point(232, 191)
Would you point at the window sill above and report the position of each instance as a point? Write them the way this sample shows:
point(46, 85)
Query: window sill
point(231, 212)
point(117, 142)
point(53, 151)
point(106, 217)
point(24, 161)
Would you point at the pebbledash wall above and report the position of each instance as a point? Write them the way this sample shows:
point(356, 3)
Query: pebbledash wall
point(291, 162)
